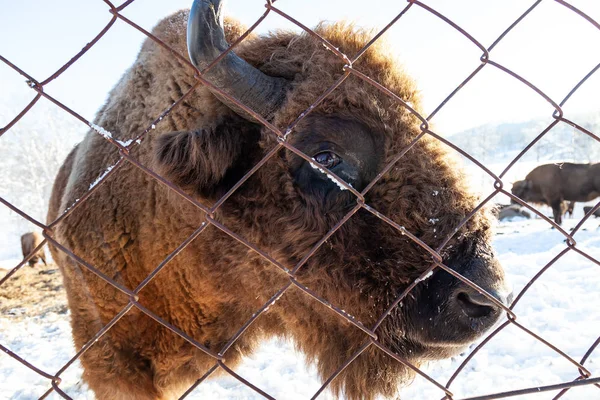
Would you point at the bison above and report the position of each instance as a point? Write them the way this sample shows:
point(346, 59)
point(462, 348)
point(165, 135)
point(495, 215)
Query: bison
point(29, 241)
point(212, 287)
point(587, 209)
point(509, 211)
point(552, 184)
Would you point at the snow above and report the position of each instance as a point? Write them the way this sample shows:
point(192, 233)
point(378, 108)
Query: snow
point(99, 178)
point(429, 274)
point(101, 130)
point(561, 307)
point(329, 176)
point(72, 204)
point(45, 342)
point(109, 135)
point(125, 143)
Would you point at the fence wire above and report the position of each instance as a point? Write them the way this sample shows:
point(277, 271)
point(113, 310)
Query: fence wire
point(581, 375)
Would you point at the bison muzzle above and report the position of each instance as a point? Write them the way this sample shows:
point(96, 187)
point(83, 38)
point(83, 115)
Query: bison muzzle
point(212, 287)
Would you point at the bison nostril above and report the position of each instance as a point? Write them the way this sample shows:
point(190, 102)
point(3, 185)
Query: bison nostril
point(475, 304)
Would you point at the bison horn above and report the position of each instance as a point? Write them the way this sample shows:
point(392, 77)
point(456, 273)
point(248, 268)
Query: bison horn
point(234, 76)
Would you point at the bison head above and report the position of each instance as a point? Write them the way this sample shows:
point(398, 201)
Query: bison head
point(343, 210)
point(292, 201)
point(526, 191)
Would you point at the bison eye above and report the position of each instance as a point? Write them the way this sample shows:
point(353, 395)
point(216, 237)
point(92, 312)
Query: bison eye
point(328, 159)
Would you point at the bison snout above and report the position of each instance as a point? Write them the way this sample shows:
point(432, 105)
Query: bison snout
point(475, 304)
point(481, 305)
point(455, 313)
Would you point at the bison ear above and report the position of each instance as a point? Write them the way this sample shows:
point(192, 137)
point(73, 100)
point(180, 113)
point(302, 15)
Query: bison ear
point(528, 184)
point(200, 162)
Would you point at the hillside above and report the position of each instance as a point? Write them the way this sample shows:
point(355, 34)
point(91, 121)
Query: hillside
point(496, 145)
point(502, 142)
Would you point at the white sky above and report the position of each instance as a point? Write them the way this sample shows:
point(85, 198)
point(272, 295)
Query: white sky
point(553, 48)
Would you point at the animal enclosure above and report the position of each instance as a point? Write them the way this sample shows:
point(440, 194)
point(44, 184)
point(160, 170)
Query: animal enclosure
point(350, 68)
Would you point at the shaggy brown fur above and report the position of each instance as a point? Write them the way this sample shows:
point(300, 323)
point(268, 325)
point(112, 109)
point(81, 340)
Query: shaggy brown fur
point(29, 242)
point(215, 285)
point(552, 184)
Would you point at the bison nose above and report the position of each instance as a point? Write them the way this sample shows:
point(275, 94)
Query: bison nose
point(476, 305)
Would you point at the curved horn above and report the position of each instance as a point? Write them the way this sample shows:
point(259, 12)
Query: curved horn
point(206, 41)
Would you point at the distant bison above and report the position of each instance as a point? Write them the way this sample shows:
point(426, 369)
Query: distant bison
point(552, 184)
point(216, 284)
point(29, 242)
point(587, 209)
point(507, 211)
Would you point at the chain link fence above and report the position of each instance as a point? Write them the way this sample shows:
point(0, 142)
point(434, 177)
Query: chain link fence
point(581, 375)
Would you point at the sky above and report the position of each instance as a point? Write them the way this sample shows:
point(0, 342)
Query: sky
point(552, 47)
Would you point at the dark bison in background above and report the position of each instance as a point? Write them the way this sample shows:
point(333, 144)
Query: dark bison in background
point(29, 241)
point(553, 184)
point(587, 209)
point(216, 284)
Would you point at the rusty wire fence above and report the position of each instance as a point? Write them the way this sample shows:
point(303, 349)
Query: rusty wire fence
point(581, 375)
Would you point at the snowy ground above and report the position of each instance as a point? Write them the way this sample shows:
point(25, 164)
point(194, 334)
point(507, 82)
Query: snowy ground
point(562, 306)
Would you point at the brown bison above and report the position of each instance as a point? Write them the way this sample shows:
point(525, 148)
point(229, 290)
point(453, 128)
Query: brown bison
point(552, 184)
point(211, 288)
point(29, 242)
